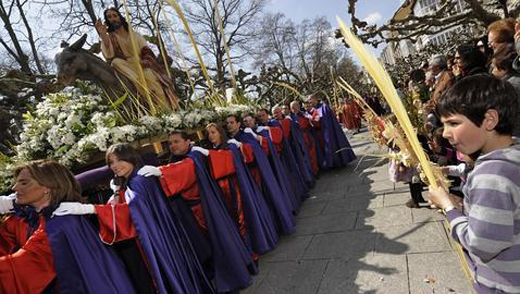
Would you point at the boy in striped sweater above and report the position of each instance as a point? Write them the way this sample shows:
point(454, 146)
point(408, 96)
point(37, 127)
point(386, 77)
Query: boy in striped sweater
point(478, 115)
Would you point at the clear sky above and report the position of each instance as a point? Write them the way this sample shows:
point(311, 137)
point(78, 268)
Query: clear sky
point(372, 11)
point(377, 11)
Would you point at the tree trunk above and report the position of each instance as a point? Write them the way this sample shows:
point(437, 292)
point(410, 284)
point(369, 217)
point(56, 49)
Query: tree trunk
point(19, 55)
point(90, 10)
point(221, 70)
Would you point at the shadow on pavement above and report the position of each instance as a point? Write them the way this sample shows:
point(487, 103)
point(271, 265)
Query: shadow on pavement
point(338, 246)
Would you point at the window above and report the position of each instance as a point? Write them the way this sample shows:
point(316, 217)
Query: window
point(426, 3)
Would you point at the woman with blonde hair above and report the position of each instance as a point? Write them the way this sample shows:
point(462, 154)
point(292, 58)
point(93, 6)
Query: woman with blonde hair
point(40, 253)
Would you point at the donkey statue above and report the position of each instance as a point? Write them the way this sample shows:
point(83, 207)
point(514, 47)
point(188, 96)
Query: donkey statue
point(74, 62)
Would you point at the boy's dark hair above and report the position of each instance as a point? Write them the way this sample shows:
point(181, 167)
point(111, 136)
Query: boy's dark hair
point(474, 95)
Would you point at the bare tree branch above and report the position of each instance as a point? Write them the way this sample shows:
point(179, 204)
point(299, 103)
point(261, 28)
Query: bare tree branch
point(30, 37)
point(445, 16)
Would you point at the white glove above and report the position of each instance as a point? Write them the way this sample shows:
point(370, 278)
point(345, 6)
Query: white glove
point(115, 188)
point(308, 116)
point(74, 208)
point(235, 142)
point(6, 203)
point(149, 170)
point(288, 117)
point(261, 128)
point(250, 131)
point(204, 152)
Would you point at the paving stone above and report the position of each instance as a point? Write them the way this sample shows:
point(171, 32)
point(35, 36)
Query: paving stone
point(412, 238)
point(371, 176)
point(443, 267)
point(352, 178)
point(359, 190)
point(263, 270)
point(398, 189)
point(311, 209)
point(379, 188)
point(354, 244)
point(384, 217)
point(333, 184)
point(326, 223)
point(396, 199)
point(372, 274)
point(292, 277)
point(370, 163)
point(353, 204)
point(426, 214)
point(354, 235)
point(331, 193)
point(288, 248)
point(316, 198)
point(388, 187)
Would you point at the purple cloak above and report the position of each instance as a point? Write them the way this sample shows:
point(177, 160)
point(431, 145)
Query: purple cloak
point(259, 221)
point(83, 264)
point(301, 153)
point(337, 151)
point(171, 258)
point(277, 198)
point(281, 172)
point(232, 260)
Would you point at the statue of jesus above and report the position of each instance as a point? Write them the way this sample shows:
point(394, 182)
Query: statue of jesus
point(117, 49)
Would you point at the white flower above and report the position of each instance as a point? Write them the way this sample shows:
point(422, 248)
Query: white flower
point(54, 136)
point(100, 139)
point(173, 121)
point(124, 134)
point(68, 139)
point(72, 120)
point(151, 123)
point(62, 116)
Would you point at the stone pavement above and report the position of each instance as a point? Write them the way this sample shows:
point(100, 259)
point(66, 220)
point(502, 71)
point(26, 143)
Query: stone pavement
point(355, 235)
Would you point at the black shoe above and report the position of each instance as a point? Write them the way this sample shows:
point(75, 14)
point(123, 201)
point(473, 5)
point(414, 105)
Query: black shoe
point(412, 204)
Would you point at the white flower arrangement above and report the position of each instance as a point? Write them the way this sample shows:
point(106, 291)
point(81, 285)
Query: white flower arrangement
point(71, 126)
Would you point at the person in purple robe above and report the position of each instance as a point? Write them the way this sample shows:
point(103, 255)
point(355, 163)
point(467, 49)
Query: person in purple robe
point(188, 175)
point(336, 148)
point(276, 196)
point(295, 143)
point(241, 187)
point(280, 156)
point(144, 229)
point(45, 254)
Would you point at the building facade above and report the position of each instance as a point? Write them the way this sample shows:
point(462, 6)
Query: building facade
point(396, 50)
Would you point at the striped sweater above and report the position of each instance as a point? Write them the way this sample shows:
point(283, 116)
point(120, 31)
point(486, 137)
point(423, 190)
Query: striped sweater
point(489, 229)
